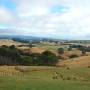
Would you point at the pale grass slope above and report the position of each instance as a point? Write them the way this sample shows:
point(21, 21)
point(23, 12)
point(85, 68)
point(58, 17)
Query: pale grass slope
point(9, 42)
point(83, 61)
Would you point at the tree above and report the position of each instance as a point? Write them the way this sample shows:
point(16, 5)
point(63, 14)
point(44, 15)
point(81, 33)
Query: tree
point(12, 47)
point(60, 51)
point(70, 48)
point(4, 46)
point(48, 58)
point(9, 55)
point(30, 45)
point(26, 60)
point(83, 52)
point(36, 58)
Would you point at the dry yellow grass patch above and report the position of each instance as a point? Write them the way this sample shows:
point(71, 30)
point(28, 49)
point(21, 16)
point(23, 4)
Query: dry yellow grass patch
point(83, 61)
point(9, 42)
point(37, 50)
point(9, 71)
point(75, 52)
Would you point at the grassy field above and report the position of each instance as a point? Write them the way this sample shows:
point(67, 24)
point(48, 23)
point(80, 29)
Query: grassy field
point(74, 76)
point(52, 47)
point(9, 42)
point(43, 78)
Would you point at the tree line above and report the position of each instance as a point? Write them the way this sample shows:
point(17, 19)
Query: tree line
point(10, 55)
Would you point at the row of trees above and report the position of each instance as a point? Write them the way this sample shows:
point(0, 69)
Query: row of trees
point(82, 48)
point(10, 55)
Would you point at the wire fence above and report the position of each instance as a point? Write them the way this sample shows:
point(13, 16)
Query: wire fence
point(5, 74)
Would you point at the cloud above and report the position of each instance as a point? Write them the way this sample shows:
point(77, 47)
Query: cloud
point(68, 19)
point(5, 16)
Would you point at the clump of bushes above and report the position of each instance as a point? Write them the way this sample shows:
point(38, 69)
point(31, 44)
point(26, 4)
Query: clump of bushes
point(60, 50)
point(88, 66)
point(48, 58)
point(68, 78)
point(68, 68)
point(73, 56)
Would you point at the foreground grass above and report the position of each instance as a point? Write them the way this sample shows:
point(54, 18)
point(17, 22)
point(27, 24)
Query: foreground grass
point(41, 78)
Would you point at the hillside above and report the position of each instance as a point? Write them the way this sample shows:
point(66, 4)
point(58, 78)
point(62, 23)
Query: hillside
point(9, 42)
point(83, 61)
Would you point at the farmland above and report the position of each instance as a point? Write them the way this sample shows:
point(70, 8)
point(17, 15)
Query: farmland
point(38, 78)
point(68, 74)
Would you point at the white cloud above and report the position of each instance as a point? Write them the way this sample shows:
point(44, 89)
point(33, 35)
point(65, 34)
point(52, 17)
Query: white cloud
point(34, 17)
point(5, 15)
point(32, 11)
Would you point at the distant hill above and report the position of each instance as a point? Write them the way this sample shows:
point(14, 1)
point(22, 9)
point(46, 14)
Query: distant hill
point(24, 38)
point(18, 36)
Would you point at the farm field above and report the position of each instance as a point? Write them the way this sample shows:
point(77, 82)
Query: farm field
point(68, 74)
point(43, 78)
point(44, 44)
point(52, 47)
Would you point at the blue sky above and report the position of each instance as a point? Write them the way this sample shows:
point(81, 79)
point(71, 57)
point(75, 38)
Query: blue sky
point(8, 4)
point(64, 19)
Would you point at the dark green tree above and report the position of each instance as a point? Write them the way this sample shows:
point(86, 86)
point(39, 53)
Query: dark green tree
point(60, 51)
point(48, 58)
point(70, 48)
point(83, 51)
point(12, 47)
point(26, 60)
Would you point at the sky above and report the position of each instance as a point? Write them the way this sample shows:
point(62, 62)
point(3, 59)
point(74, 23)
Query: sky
point(62, 19)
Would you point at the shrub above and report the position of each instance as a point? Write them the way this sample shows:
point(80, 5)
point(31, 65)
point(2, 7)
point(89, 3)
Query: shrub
point(73, 56)
point(70, 48)
point(83, 52)
point(88, 66)
point(61, 51)
point(68, 78)
point(68, 68)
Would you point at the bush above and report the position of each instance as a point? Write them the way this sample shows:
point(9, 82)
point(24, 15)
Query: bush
point(88, 66)
point(61, 51)
point(70, 48)
point(83, 52)
point(73, 56)
point(68, 78)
